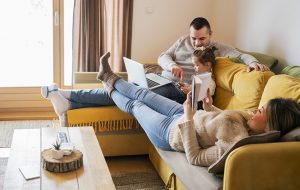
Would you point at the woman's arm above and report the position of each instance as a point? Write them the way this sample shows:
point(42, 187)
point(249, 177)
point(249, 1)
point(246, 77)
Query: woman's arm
point(187, 107)
point(207, 103)
point(194, 153)
point(223, 128)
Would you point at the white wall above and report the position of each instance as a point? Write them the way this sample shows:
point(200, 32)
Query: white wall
point(266, 26)
point(158, 23)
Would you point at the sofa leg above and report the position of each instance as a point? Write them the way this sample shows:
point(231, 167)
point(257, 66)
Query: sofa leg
point(169, 183)
point(63, 120)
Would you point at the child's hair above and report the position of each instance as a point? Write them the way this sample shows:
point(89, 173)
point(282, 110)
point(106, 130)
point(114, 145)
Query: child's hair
point(206, 55)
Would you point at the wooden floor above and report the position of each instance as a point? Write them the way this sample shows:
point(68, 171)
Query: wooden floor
point(123, 164)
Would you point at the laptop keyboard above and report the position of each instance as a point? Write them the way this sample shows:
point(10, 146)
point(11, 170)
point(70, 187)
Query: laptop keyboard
point(151, 83)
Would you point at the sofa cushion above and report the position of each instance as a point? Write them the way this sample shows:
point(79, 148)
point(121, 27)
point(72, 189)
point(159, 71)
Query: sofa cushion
point(267, 60)
point(292, 71)
point(272, 136)
point(237, 88)
point(293, 135)
point(281, 86)
point(192, 177)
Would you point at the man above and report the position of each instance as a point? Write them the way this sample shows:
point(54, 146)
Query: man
point(177, 60)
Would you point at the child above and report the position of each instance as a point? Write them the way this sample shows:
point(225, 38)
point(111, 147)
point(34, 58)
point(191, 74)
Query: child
point(204, 61)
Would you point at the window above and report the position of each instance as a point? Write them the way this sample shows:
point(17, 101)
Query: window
point(36, 50)
point(26, 43)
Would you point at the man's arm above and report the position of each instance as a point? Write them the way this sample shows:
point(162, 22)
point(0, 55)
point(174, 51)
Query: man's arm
point(228, 51)
point(166, 59)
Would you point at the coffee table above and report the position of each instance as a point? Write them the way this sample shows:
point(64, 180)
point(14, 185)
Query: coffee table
point(26, 150)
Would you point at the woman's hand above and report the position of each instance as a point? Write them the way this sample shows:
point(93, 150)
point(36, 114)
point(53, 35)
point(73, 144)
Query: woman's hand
point(187, 106)
point(207, 102)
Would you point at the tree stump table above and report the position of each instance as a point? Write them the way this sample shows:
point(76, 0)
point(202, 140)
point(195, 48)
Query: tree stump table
point(65, 164)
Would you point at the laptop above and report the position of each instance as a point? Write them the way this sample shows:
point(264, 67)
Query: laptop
point(136, 75)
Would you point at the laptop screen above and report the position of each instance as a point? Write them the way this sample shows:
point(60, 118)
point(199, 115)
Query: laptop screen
point(136, 72)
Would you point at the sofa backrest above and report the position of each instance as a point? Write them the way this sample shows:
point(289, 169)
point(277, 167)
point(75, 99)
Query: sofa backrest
point(283, 86)
point(87, 80)
point(237, 88)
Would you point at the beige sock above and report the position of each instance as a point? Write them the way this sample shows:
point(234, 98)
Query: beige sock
point(104, 67)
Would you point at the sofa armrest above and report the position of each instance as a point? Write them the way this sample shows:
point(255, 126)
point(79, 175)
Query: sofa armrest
point(87, 80)
point(263, 166)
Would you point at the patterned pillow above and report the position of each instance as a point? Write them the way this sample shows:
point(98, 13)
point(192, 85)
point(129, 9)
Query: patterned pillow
point(218, 166)
point(265, 59)
point(292, 71)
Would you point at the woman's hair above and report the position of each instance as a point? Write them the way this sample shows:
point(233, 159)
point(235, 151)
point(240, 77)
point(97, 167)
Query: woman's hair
point(206, 55)
point(283, 115)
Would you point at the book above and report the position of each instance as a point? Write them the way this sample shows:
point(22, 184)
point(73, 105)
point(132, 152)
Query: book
point(200, 84)
point(30, 172)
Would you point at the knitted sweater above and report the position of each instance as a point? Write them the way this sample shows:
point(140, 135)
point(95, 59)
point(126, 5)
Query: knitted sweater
point(208, 135)
point(180, 53)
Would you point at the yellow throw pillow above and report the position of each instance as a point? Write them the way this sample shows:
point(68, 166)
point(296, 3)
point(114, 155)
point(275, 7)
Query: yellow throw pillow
point(283, 86)
point(237, 88)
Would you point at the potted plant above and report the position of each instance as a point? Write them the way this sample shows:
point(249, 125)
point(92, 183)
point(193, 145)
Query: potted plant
point(57, 153)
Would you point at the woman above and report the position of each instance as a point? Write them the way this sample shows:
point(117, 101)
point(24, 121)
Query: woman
point(203, 135)
point(64, 100)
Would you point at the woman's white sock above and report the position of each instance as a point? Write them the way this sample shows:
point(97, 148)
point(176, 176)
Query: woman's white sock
point(59, 102)
point(65, 93)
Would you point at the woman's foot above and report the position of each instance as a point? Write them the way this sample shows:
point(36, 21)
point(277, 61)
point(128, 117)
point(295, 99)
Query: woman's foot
point(60, 103)
point(104, 68)
point(46, 90)
point(105, 73)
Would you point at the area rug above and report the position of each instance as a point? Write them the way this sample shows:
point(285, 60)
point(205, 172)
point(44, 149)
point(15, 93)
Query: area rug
point(7, 128)
point(138, 180)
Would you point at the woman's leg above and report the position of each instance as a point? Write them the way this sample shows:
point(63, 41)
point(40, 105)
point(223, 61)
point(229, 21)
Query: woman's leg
point(90, 98)
point(155, 101)
point(155, 124)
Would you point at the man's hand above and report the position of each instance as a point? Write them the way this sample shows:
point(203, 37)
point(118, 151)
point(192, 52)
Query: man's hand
point(177, 71)
point(207, 102)
point(186, 88)
point(257, 67)
point(187, 106)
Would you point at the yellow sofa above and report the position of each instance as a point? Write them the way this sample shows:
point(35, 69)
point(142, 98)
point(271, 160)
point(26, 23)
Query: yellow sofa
point(256, 166)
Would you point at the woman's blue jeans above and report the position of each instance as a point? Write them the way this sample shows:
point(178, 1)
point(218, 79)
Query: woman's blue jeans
point(90, 98)
point(99, 97)
point(155, 113)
